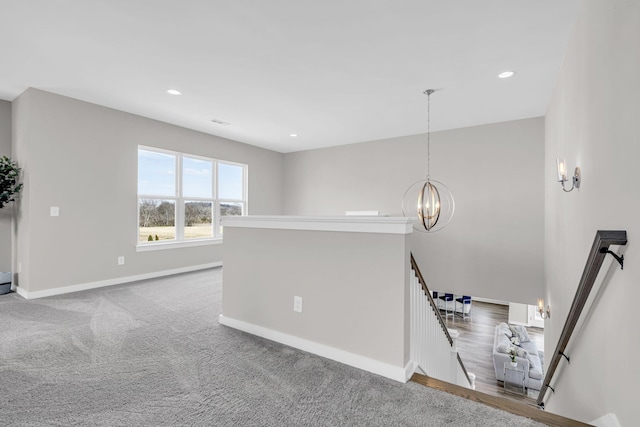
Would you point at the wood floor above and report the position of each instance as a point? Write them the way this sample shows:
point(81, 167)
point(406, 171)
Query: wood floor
point(517, 408)
point(475, 346)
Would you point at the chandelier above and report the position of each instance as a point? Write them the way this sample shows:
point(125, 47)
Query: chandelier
point(428, 202)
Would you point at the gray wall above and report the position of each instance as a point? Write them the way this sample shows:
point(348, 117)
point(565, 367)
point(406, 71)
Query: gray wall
point(5, 214)
point(347, 304)
point(492, 248)
point(83, 158)
point(593, 121)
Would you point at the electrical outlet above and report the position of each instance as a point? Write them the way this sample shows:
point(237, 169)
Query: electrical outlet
point(54, 211)
point(120, 260)
point(297, 304)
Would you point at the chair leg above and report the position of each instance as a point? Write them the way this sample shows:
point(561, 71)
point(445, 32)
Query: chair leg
point(466, 315)
point(456, 302)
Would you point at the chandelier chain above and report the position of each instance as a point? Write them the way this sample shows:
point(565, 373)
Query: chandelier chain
point(428, 135)
point(429, 92)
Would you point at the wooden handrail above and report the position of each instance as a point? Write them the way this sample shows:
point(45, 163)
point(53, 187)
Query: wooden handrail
point(603, 239)
point(466, 374)
point(415, 267)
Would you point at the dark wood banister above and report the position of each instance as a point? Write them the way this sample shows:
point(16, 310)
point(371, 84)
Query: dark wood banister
point(466, 374)
point(603, 239)
point(415, 267)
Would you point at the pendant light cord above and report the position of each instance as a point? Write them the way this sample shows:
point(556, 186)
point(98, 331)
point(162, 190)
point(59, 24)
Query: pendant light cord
point(429, 92)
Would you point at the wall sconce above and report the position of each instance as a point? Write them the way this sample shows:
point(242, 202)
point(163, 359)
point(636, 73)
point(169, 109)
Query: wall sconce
point(562, 175)
point(543, 314)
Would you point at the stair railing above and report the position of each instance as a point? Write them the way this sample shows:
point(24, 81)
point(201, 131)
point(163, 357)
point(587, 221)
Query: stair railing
point(427, 292)
point(434, 351)
point(599, 249)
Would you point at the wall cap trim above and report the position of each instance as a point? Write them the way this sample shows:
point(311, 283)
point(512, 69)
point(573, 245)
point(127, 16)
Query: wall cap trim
point(352, 224)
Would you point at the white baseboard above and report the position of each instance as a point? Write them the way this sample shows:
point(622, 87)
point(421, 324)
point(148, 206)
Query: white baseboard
point(491, 301)
point(110, 282)
point(397, 373)
point(608, 420)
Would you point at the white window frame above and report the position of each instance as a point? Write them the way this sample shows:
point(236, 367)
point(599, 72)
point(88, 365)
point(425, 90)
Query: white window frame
point(180, 200)
point(220, 201)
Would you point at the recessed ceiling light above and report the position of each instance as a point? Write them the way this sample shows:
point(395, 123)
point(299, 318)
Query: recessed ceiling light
point(506, 74)
point(220, 122)
point(174, 92)
point(293, 135)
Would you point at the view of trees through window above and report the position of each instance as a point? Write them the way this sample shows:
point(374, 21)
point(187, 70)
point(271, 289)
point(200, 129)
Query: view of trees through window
point(157, 220)
point(171, 209)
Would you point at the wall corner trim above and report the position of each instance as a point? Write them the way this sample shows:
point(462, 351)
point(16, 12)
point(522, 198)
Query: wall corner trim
point(397, 373)
point(608, 420)
point(409, 370)
point(111, 282)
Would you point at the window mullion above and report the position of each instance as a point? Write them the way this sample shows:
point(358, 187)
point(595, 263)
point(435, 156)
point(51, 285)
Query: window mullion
point(216, 218)
point(245, 190)
point(214, 177)
point(179, 201)
point(215, 215)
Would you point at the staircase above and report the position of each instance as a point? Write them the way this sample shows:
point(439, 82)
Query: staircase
point(433, 346)
point(438, 365)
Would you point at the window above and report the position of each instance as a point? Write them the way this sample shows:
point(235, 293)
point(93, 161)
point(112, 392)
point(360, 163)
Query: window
point(181, 197)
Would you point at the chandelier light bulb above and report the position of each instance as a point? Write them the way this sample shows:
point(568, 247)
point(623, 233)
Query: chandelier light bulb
point(430, 204)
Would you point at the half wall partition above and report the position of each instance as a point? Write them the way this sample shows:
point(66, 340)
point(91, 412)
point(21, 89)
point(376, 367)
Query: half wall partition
point(334, 286)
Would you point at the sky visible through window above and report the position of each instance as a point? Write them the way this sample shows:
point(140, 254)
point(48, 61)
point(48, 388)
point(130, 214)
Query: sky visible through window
point(230, 177)
point(156, 173)
point(197, 176)
point(156, 176)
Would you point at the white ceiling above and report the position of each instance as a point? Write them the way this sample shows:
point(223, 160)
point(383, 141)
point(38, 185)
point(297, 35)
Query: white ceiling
point(333, 71)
